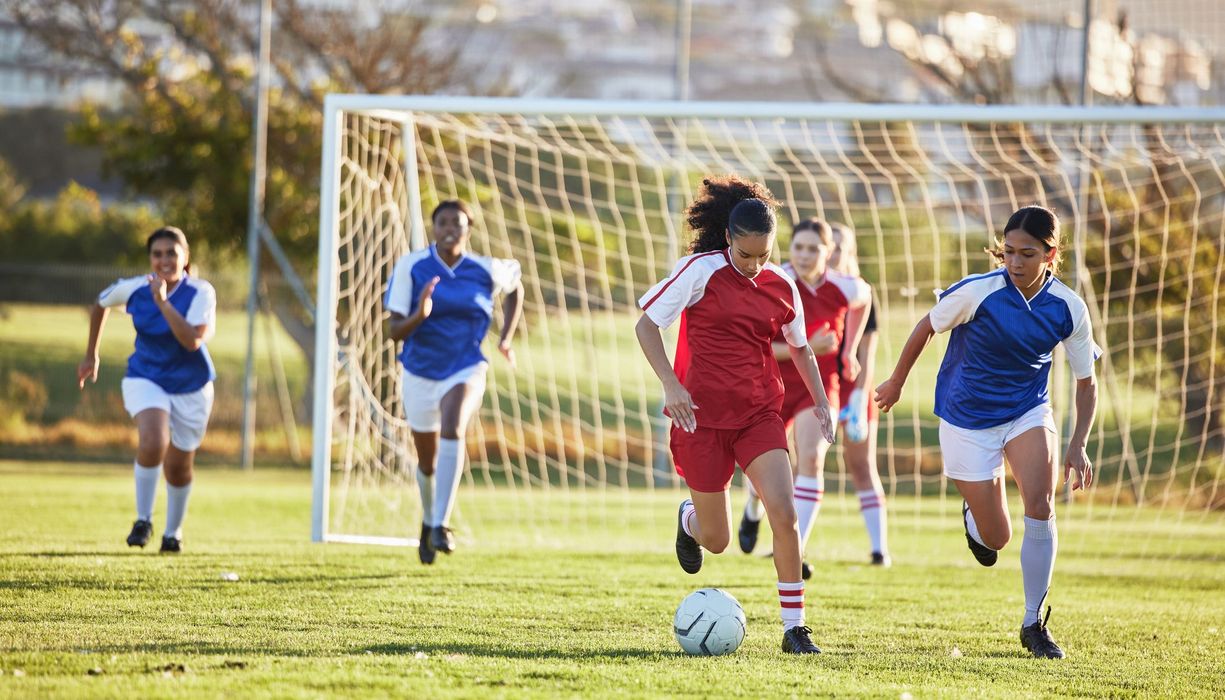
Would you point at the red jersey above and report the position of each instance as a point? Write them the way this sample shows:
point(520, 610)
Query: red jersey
point(825, 308)
point(730, 323)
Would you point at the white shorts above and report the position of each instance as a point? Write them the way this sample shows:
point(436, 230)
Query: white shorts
point(978, 455)
point(188, 412)
point(423, 397)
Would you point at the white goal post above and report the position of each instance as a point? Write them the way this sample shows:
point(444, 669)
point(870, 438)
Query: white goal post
point(589, 196)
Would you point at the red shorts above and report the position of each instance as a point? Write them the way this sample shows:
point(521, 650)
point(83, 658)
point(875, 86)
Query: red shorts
point(710, 455)
point(796, 397)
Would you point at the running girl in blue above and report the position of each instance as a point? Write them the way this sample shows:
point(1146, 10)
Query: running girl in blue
point(168, 388)
point(992, 400)
point(441, 304)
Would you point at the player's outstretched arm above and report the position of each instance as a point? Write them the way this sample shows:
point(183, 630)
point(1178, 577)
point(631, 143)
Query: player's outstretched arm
point(88, 369)
point(677, 401)
point(890, 390)
point(806, 362)
point(1077, 458)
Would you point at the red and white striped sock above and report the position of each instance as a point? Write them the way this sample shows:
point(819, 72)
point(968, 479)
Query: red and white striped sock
point(872, 506)
point(808, 493)
point(791, 603)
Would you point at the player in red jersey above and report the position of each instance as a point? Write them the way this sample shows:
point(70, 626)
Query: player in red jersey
point(858, 415)
point(726, 411)
point(834, 307)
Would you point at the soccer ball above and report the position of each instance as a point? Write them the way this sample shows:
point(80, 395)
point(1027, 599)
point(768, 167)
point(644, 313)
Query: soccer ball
point(709, 622)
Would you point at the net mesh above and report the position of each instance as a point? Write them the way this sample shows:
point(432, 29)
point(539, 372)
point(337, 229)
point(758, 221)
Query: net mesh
point(591, 206)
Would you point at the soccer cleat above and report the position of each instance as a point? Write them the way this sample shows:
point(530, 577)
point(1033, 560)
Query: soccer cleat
point(797, 640)
point(1037, 639)
point(984, 554)
point(688, 551)
point(425, 550)
point(171, 545)
point(442, 540)
point(882, 560)
point(805, 570)
point(748, 534)
point(142, 530)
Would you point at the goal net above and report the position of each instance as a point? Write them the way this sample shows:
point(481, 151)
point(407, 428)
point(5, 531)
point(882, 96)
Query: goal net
point(588, 197)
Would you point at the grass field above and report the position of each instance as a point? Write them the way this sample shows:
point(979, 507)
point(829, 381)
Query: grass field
point(576, 602)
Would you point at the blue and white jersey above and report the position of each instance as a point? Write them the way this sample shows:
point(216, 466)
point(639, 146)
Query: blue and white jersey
point(999, 356)
point(450, 339)
point(159, 356)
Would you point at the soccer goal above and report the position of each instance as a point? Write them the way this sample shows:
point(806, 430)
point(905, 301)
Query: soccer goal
point(588, 196)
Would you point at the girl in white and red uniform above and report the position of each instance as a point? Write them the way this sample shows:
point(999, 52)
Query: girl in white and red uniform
point(727, 409)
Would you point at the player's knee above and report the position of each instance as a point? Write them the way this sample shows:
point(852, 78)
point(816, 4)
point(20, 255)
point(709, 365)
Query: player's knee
point(997, 539)
point(782, 515)
point(717, 542)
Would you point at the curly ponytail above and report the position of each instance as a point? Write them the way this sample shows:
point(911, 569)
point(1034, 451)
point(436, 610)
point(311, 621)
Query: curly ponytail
point(729, 202)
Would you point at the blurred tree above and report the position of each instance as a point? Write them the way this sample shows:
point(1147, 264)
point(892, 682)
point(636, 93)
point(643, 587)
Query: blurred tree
point(183, 136)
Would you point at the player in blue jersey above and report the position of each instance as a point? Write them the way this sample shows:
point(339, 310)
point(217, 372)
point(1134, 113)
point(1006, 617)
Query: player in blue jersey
point(441, 304)
point(992, 400)
point(168, 387)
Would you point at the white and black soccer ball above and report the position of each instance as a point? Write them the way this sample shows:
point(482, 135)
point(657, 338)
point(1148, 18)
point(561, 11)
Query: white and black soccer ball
point(709, 622)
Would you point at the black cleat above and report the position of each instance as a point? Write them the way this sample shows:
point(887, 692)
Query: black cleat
point(748, 534)
point(882, 560)
point(425, 550)
point(442, 540)
point(805, 570)
point(171, 545)
point(984, 554)
point(1037, 639)
point(142, 530)
point(797, 641)
point(688, 551)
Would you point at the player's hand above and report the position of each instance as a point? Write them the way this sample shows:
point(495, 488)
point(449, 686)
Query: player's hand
point(855, 417)
point(823, 342)
point(157, 285)
point(1077, 460)
point(850, 365)
point(507, 351)
point(825, 419)
point(88, 369)
point(425, 303)
point(680, 406)
point(887, 394)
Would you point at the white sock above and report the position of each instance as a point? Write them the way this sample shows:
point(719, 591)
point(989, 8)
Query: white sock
point(176, 509)
point(447, 475)
point(752, 505)
point(687, 513)
point(146, 490)
point(791, 604)
point(425, 486)
point(972, 528)
point(1038, 549)
point(808, 493)
point(872, 507)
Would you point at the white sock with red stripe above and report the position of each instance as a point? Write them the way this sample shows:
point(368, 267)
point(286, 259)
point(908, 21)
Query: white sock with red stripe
point(752, 506)
point(686, 513)
point(872, 507)
point(808, 493)
point(791, 604)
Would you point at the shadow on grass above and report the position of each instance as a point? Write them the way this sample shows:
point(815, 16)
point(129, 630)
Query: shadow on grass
point(493, 651)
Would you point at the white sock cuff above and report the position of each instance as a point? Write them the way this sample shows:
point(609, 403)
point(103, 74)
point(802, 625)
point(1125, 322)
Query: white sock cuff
point(810, 482)
point(142, 470)
point(1039, 529)
point(796, 587)
point(686, 512)
point(870, 499)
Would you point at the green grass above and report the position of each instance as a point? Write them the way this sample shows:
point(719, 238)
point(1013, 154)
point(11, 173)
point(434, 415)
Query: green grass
point(571, 594)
